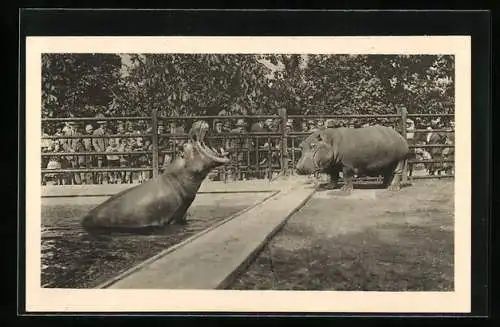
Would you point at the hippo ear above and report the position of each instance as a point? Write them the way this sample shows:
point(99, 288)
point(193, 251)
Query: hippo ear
point(323, 137)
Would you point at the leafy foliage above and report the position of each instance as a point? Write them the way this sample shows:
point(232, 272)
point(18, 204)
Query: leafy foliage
point(79, 84)
point(205, 84)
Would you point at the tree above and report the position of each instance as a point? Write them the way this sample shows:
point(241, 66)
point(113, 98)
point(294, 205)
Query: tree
point(179, 84)
point(422, 83)
point(205, 84)
point(78, 84)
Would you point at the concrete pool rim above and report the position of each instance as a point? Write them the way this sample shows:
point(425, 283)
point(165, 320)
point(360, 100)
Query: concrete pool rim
point(188, 240)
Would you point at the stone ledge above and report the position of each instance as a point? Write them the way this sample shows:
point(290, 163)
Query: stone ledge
point(207, 187)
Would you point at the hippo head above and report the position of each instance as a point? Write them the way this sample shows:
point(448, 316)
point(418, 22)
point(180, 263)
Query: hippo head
point(198, 155)
point(317, 154)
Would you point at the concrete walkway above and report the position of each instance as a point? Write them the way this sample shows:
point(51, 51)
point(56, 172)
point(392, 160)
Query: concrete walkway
point(213, 259)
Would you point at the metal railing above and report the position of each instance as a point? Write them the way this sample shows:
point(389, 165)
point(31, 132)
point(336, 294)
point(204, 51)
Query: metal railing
point(250, 157)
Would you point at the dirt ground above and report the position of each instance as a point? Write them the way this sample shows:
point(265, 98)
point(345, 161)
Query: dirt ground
point(373, 240)
point(72, 259)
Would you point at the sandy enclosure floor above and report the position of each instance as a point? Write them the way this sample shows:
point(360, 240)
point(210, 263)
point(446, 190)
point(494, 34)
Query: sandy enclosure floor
point(73, 259)
point(373, 240)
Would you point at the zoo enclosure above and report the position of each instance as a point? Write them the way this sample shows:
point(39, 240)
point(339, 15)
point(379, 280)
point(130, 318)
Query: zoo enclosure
point(279, 153)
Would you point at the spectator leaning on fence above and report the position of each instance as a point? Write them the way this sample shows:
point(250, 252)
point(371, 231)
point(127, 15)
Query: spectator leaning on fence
point(87, 147)
point(139, 145)
point(145, 159)
point(55, 162)
point(257, 143)
point(79, 147)
point(100, 144)
point(113, 160)
point(290, 144)
point(120, 130)
point(266, 144)
point(124, 160)
point(132, 146)
point(73, 145)
point(303, 126)
point(45, 146)
point(239, 146)
point(410, 131)
point(220, 142)
point(163, 146)
point(58, 132)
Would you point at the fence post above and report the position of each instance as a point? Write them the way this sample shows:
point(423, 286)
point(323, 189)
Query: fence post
point(404, 173)
point(155, 143)
point(284, 151)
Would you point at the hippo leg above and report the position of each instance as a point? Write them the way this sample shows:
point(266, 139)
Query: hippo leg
point(395, 184)
point(181, 214)
point(388, 175)
point(183, 220)
point(410, 169)
point(347, 175)
point(333, 175)
point(388, 178)
point(334, 179)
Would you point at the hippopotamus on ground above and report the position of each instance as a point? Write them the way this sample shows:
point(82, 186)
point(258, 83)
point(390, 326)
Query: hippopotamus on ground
point(367, 151)
point(162, 200)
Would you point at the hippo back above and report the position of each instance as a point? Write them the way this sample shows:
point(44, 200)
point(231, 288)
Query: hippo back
point(370, 148)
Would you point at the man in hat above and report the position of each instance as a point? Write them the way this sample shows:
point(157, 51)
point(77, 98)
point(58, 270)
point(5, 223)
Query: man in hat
point(55, 162)
point(256, 156)
point(45, 146)
point(268, 124)
point(145, 158)
point(239, 144)
point(291, 144)
point(219, 143)
point(87, 147)
point(120, 130)
point(125, 176)
point(289, 124)
point(303, 126)
point(75, 145)
point(113, 160)
point(100, 144)
point(135, 144)
point(121, 143)
point(177, 129)
point(410, 131)
point(162, 144)
point(436, 123)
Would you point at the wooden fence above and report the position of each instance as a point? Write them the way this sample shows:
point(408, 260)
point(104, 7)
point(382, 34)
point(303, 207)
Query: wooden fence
point(257, 155)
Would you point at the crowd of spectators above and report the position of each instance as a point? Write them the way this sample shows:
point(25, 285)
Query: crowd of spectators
point(105, 152)
point(250, 155)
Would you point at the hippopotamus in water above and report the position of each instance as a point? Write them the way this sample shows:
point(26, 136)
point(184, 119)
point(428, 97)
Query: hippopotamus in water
point(162, 200)
point(367, 151)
